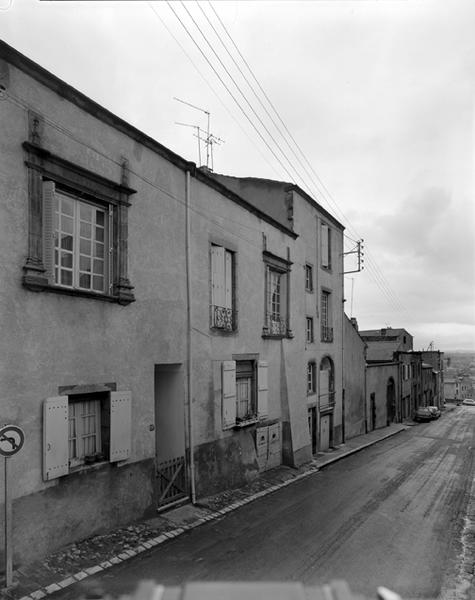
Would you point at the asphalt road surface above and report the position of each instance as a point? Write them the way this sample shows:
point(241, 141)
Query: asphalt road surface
point(389, 515)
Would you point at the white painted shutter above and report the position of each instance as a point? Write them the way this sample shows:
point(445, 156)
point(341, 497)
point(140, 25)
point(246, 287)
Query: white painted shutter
point(324, 248)
point(262, 389)
point(228, 279)
point(48, 229)
point(217, 276)
point(324, 385)
point(120, 425)
point(55, 437)
point(229, 393)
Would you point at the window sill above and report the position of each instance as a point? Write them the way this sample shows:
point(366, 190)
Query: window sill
point(41, 285)
point(82, 469)
point(247, 423)
point(277, 336)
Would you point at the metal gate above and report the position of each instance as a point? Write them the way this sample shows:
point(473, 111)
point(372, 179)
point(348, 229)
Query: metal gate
point(171, 481)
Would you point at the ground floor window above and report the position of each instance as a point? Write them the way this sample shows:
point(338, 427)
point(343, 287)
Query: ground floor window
point(82, 429)
point(85, 443)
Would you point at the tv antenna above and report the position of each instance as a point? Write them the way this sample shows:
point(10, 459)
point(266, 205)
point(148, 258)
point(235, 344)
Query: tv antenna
point(209, 139)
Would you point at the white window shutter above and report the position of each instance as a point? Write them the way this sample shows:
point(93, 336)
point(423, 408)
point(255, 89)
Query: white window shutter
point(262, 389)
point(217, 276)
point(229, 393)
point(48, 229)
point(324, 248)
point(55, 437)
point(325, 384)
point(120, 426)
point(228, 279)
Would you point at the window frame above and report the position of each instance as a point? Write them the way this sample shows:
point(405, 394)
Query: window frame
point(311, 378)
point(276, 325)
point(77, 236)
point(44, 166)
point(223, 319)
point(229, 391)
point(115, 429)
point(325, 246)
point(326, 321)
point(309, 330)
point(309, 278)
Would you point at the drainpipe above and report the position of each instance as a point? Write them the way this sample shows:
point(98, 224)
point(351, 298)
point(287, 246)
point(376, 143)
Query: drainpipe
point(189, 379)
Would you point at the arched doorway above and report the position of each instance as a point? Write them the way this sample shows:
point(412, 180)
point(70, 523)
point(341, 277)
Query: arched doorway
point(326, 402)
point(390, 401)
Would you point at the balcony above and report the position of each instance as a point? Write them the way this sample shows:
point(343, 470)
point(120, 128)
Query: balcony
point(223, 318)
point(326, 402)
point(327, 334)
point(275, 326)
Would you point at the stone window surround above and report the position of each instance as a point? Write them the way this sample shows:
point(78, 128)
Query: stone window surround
point(44, 165)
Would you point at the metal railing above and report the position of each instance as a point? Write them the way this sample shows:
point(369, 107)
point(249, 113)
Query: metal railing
point(327, 334)
point(327, 401)
point(275, 325)
point(223, 318)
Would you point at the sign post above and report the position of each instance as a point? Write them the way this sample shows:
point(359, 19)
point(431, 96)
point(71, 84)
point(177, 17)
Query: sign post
point(12, 439)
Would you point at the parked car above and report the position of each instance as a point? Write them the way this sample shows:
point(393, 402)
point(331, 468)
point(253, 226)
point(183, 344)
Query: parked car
point(435, 411)
point(469, 402)
point(423, 414)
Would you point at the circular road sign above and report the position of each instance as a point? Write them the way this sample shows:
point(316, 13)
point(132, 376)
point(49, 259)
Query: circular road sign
point(12, 439)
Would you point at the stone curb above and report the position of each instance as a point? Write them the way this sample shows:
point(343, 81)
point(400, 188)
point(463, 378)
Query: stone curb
point(42, 592)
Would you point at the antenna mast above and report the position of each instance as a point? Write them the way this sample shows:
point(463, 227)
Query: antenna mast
point(209, 140)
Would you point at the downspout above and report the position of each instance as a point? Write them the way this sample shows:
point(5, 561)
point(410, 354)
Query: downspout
point(342, 319)
point(189, 379)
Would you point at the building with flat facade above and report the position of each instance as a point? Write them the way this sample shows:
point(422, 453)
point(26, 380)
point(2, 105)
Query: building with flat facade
point(165, 335)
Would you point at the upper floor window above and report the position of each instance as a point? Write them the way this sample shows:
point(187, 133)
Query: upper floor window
point(308, 278)
point(82, 234)
point(309, 330)
point(276, 297)
point(325, 246)
point(325, 317)
point(78, 230)
point(223, 314)
point(311, 378)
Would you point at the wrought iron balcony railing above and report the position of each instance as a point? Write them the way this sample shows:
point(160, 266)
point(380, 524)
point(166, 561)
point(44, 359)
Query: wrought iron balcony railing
point(327, 334)
point(327, 401)
point(223, 318)
point(275, 325)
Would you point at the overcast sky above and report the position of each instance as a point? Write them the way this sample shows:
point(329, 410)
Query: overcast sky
point(378, 94)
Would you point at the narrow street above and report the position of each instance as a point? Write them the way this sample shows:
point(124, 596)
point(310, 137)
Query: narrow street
point(389, 515)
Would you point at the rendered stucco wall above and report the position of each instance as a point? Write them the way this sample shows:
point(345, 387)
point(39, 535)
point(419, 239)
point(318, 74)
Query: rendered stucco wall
point(354, 368)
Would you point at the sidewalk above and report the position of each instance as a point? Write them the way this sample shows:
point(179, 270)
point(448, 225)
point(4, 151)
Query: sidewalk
point(87, 557)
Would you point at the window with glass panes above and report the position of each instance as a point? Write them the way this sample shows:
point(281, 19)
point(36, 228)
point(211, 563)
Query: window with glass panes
point(245, 389)
point(81, 244)
point(311, 376)
point(84, 430)
point(309, 329)
point(274, 294)
point(308, 278)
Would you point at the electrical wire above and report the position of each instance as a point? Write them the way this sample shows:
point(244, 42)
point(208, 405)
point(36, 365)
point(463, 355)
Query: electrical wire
point(211, 87)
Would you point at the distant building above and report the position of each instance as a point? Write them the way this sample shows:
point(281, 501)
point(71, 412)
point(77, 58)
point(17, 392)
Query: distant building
point(383, 343)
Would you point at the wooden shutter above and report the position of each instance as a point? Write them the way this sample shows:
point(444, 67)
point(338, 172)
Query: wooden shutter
point(262, 389)
point(229, 393)
point(325, 246)
point(55, 437)
point(217, 276)
point(48, 229)
point(324, 388)
point(120, 425)
point(228, 279)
